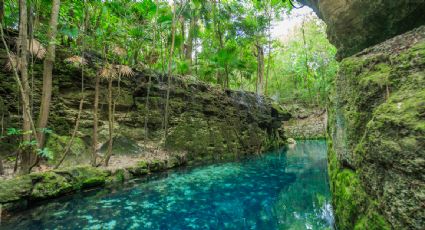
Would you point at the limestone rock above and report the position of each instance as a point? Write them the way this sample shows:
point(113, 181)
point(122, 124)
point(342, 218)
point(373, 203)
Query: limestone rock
point(377, 125)
point(353, 25)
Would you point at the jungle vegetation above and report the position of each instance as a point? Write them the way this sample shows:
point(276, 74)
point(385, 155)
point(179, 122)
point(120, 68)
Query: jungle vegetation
point(224, 42)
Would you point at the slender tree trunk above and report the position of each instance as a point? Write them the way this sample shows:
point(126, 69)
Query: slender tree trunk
point(74, 134)
point(2, 122)
point(150, 76)
point(25, 99)
point(190, 38)
point(183, 28)
point(170, 62)
point(110, 122)
point(95, 120)
point(47, 72)
point(260, 68)
point(269, 48)
point(196, 53)
point(162, 54)
point(1, 167)
point(307, 68)
point(222, 79)
point(1, 11)
point(23, 44)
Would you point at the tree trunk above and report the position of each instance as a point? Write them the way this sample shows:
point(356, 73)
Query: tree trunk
point(190, 38)
point(269, 12)
point(74, 133)
point(1, 11)
point(150, 76)
point(260, 69)
point(182, 53)
point(170, 62)
point(1, 167)
point(110, 122)
point(222, 79)
point(95, 121)
point(27, 156)
point(47, 73)
point(26, 108)
point(307, 68)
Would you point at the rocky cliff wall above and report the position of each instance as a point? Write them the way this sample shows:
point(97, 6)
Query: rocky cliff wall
point(206, 122)
point(307, 122)
point(377, 128)
point(376, 122)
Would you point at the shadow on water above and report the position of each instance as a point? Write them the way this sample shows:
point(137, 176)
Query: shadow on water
point(283, 189)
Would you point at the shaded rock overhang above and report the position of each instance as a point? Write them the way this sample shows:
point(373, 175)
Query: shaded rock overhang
point(353, 25)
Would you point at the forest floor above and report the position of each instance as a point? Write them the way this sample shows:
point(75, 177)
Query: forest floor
point(152, 152)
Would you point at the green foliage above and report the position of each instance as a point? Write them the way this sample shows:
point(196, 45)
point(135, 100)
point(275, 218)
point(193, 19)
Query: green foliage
point(46, 153)
point(31, 144)
point(13, 131)
point(222, 37)
point(303, 67)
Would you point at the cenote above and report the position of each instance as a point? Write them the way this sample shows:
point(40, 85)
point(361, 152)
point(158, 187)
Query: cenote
point(282, 189)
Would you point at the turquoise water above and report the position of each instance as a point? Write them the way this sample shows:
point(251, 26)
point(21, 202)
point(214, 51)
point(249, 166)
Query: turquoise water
point(285, 189)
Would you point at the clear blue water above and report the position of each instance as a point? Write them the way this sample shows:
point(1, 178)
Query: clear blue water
point(285, 189)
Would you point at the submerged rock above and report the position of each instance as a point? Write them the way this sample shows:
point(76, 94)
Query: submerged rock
point(20, 192)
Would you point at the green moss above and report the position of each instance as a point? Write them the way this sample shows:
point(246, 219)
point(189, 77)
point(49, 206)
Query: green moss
point(372, 221)
point(142, 164)
point(84, 176)
point(279, 108)
point(119, 176)
point(157, 165)
point(378, 75)
point(405, 108)
point(15, 189)
point(48, 185)
point(93, 181)
point(57, 144)
point(412, 57)
point(353, 208)
point(141, 168)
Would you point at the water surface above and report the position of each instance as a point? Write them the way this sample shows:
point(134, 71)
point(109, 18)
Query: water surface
point(283, 189)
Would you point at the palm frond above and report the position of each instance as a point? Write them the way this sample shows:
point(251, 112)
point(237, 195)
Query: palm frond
point(36, 48)
point(108, 71)
point(76, 60)
point(13, 62)
point(124, 70)
point(119, 51)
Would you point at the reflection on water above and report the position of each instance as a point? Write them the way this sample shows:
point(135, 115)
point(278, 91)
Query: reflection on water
point(278, 190)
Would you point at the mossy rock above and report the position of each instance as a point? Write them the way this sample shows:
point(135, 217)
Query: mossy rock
point(140, 169)
point(84, 176)
point(353, 207)
point(157, 165)
point(377, 126)
point(15, 189)
point(48, 185)
point(119, 176)
point(78, 153)
point(372, 221)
